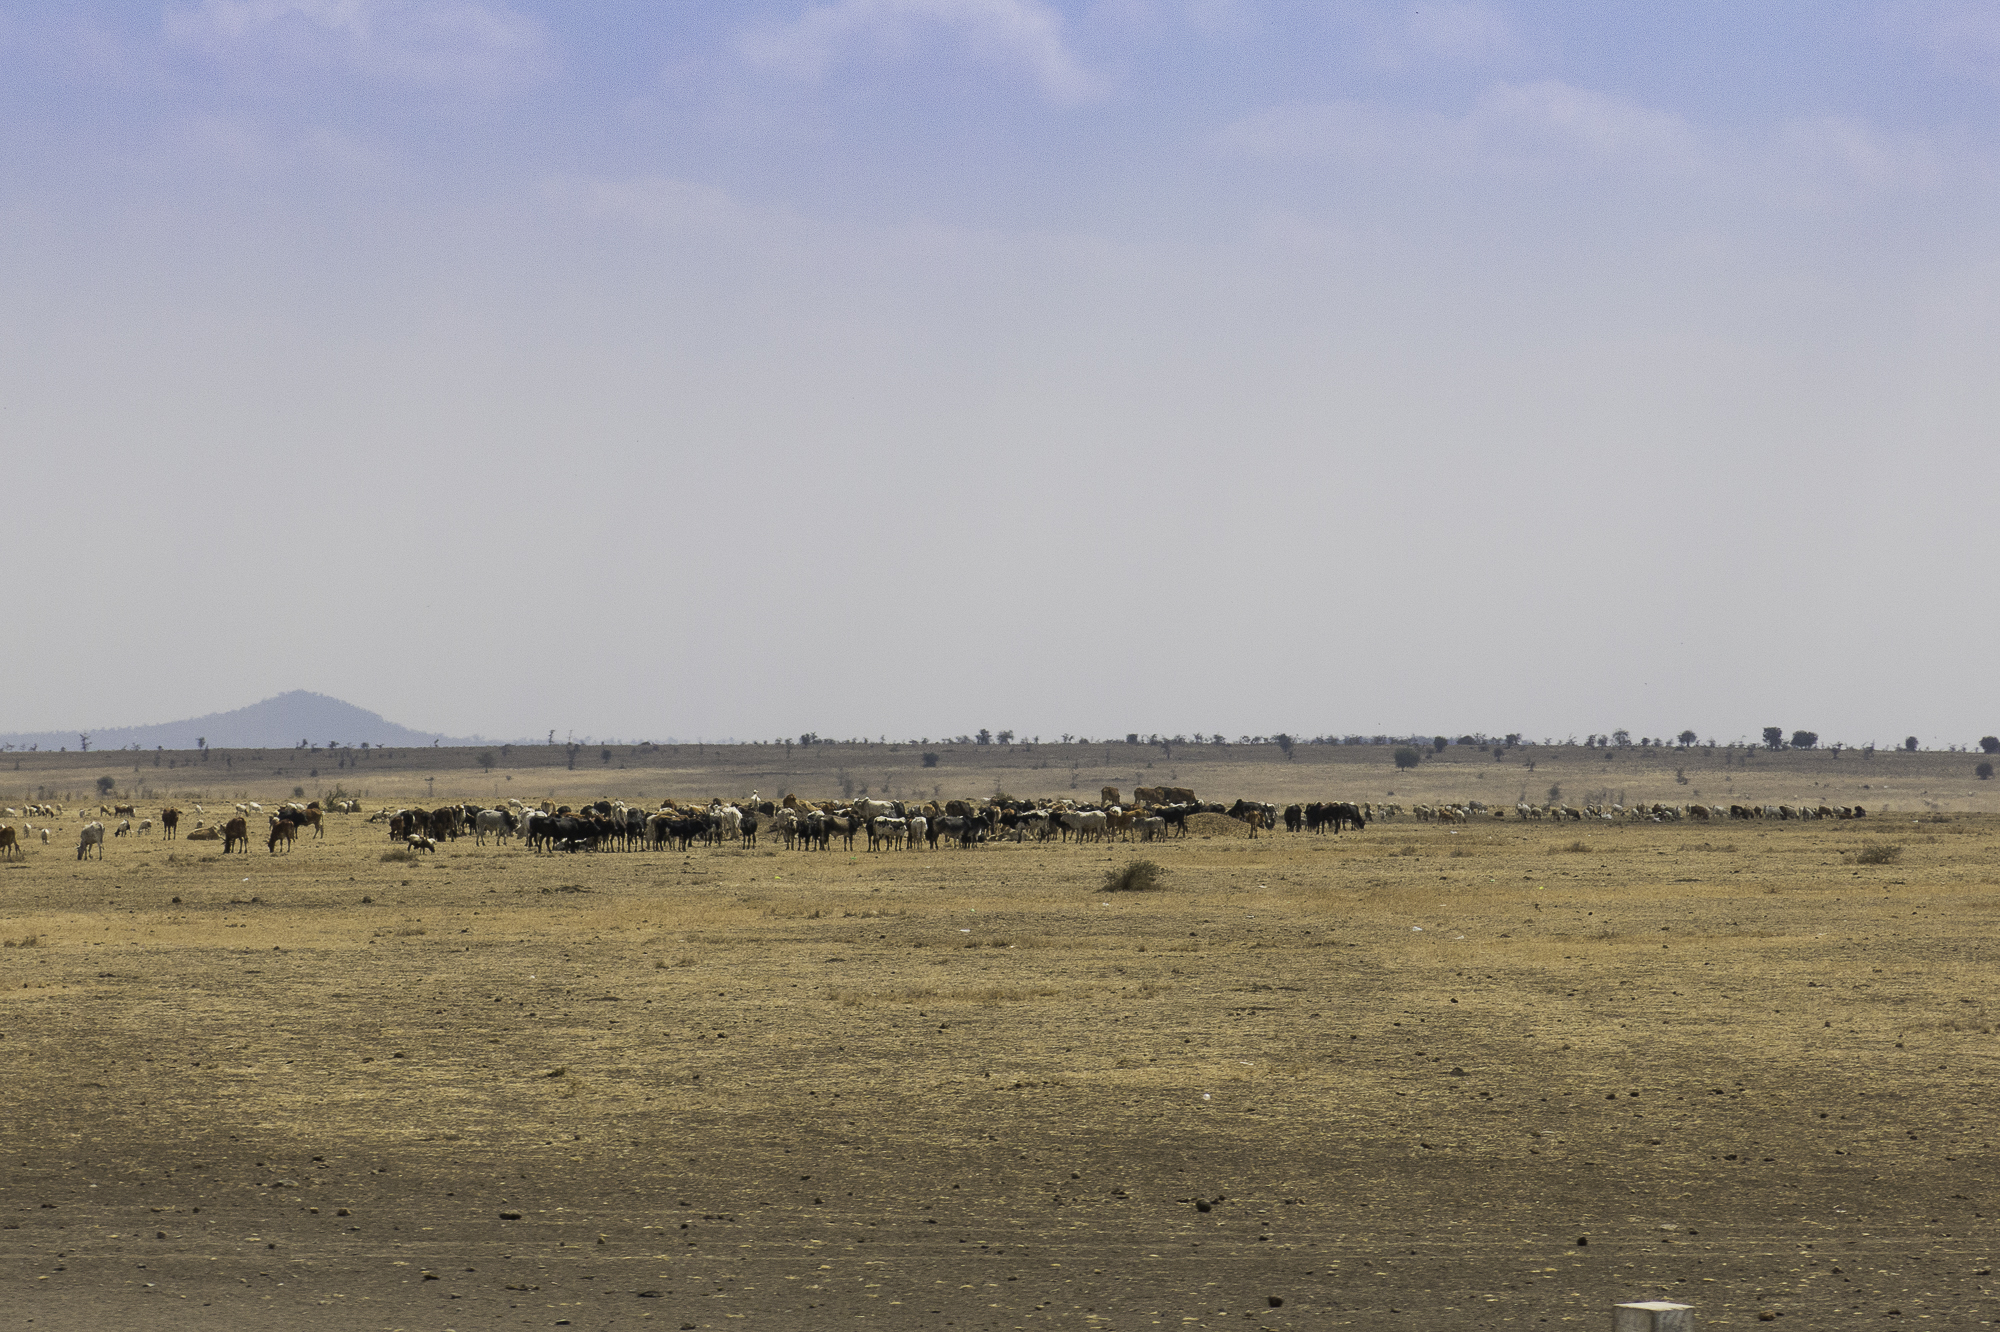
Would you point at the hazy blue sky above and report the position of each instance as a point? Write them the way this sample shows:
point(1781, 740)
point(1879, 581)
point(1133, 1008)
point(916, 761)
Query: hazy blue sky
point(909, 366)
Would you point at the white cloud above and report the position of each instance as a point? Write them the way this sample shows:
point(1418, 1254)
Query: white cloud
point(1516, 127)
point(1025, 34)
point(1842, 155)
point(449, 42)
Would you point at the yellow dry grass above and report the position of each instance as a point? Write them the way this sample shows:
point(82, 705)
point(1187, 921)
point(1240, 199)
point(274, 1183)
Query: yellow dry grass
point(1492, 1036)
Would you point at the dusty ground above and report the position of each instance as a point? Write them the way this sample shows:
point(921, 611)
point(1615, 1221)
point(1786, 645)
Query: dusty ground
point(1408, 1072)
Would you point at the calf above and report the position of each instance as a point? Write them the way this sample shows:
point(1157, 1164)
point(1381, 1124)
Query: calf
point(283, 830)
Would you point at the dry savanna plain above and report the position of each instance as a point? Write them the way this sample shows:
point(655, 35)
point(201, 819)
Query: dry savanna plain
point(1496, 1075)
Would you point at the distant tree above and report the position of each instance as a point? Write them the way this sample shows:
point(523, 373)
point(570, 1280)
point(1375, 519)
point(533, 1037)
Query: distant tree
point(1555, 792)
point(1983, 771)
point(985, 737)
point(1407, 757)
point(1910, 743)
point(1989, 744)
point(605, 754)
point(1284, 743)
point(1774, 737)
point(1687, 738)
point(83, 743)
point(1621, 738)
point(487, 759)
point(1005, 737)
point(1804, 739)
point(1438, 744)
point(930, 758)
point(104, 785)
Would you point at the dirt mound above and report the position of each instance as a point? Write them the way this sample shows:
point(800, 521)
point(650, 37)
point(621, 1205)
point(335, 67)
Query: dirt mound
point(1216, 825)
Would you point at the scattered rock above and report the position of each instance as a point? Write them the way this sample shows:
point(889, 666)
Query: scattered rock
point(504, 1216)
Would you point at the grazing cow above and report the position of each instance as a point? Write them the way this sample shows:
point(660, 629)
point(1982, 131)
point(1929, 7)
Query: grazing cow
point(123, 809)
point(921, 835)
point(496, 823)
point(93, 835)
point(124, 826)
point(236, 833)
point(10, 843)
point(283, 830)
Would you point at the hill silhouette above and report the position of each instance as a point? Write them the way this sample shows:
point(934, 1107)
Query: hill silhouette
point(275, 723)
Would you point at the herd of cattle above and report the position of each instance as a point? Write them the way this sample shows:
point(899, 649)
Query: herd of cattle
point(1637, 813)
point(817, 825)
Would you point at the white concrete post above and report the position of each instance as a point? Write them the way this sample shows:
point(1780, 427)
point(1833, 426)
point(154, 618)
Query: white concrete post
point(1653, 1316)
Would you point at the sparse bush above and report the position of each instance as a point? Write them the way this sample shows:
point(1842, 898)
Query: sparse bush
point(1578, 847)
point(1407, 757)
point(1989, 744)
point(1878, 853)
point(104, 785)
point(930, 758)
point(1983, 772)
point(1137, 877)
point(399, 855)
point(487, 759)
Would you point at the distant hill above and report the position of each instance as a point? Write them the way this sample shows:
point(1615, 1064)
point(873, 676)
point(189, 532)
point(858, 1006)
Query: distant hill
point(276, 723)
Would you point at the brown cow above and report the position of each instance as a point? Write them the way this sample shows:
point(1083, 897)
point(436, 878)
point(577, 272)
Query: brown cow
point(10, 844)
point(170, 819)
point(283, 830)
point(235, 833)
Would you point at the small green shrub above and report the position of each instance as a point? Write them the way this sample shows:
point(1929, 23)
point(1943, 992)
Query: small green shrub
point(1137, 877)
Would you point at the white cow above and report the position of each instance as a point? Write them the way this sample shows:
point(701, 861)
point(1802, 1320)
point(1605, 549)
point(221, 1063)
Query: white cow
point(93, 835)
point(488, 821)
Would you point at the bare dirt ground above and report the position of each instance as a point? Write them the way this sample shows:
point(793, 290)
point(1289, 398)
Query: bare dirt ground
point(1502, 1075)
